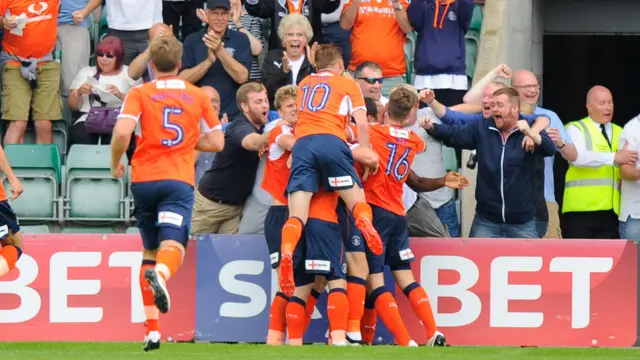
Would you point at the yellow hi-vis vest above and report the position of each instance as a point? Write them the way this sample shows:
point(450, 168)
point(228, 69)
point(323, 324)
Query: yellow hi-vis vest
point(593, 189)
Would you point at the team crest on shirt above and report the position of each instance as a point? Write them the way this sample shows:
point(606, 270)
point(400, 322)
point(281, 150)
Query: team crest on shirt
point(355, 240)
point(231, 51)
point(305, 10)
point(452, 16)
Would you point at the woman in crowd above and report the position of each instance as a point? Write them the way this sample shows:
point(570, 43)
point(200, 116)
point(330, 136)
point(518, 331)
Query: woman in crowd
point(290, 66)
point(98, 88)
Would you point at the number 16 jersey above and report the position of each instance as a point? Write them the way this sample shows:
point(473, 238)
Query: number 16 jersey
point(171, 114)
point(324, 103)
point(396, 148)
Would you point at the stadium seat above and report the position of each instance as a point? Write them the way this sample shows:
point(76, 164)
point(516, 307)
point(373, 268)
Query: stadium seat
point(449, 158)
point(60, 134)
point(39, 169)
point(87, 230)
point(472, 55)
point(103, 27)
point(409, 52)
point(133, 230)
point(35, 229)
point(476, 21)
point(92, 194)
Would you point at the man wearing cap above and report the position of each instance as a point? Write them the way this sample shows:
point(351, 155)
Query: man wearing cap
point(218, 57)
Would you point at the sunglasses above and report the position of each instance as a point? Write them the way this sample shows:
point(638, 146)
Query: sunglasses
point(108, 55)
point(372, 80)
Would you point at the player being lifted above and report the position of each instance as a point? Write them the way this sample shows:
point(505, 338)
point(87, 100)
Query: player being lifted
point(171, 118)
point(276, 175)
point(397, 147)
point(10, 235)
point(321, 156)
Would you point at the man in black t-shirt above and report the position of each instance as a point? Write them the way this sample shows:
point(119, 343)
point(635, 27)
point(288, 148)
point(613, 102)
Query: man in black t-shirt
point(225, 187)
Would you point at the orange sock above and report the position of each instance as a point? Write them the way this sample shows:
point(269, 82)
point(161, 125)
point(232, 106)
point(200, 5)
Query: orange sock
point(291, 233)
point(9, 255)
point(277, 319)
point(168, 261)
point(338, 312)
point(422, 307)
point(356, 294)
point(368, 323)
point(150, 310)
point(387, 309)
point(362, 209)
point(311, 306)
point(296, 316)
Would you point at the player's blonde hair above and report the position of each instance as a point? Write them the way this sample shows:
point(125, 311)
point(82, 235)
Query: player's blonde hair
point(327, 55)
point(295, 19)
point(284, 93)
point(242, 96)
point(403, 99)
point(166, 53)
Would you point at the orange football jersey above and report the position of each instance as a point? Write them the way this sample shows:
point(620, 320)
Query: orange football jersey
point(323, 206)
point(325, 101)
point(396, 147)
point(276, 172)
point(171, 114)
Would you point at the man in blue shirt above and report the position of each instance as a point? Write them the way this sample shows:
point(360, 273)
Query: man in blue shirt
point(218, 57)
point(73, 39)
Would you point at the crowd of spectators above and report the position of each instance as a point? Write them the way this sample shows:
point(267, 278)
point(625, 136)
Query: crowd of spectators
point(46, 55)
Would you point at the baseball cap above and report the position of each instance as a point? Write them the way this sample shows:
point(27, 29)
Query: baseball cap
point(212, 4)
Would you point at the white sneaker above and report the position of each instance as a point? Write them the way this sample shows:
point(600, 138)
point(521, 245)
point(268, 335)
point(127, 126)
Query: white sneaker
point(151, 341)
point(412, 344)
point(437, 339)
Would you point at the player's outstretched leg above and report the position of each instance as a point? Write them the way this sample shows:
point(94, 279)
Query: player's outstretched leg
point(9, 255)
point(168, 261)
point(152, 326)
point(291, 233)
point(368, 322)
point(422, 307)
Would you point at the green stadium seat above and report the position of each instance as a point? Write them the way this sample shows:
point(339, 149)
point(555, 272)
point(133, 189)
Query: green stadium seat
point(133, 230)
point(60, 134)
point(92, 194)
point(476, 19)
point(35, 229)
point(472, 46)
point(409, 52)
point(87, 230)
point(39, 169)
point(449, 158)
point(103, 26)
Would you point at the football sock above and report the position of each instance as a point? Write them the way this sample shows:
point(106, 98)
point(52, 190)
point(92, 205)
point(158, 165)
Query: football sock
point(387, 309)
point(368, 323)
point(151, 312)
point(277, 319)
point(356, 294)
point(311, 306)
point(168, 261)
point(291, 233)
point(337, 312)
point(362, 209)
point(422, 307)
point(9, 255)
point(296, 315)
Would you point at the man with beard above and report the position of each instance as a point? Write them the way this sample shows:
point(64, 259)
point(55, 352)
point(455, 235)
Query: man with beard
point(505, 190)
point(591, 200)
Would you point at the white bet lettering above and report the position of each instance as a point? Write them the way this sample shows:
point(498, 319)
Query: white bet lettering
point(581, 269)
point(469, 274)
point(30, 300)
point(60, 288)
point(257, 296)
point(132, 260)
point(501, 292)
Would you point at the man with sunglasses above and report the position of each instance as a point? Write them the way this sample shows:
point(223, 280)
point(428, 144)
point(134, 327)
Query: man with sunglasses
point(368, 75)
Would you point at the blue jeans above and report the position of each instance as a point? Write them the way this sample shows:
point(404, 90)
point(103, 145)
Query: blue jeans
point(541, 227)
point(630, 229)
point(448, 216)
point(483, 228)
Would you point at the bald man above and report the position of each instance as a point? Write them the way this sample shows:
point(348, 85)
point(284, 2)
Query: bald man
point(139, 67)
point(214, 97)
point(592, 194)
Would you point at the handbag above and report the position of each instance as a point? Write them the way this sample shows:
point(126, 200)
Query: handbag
point(101, 119)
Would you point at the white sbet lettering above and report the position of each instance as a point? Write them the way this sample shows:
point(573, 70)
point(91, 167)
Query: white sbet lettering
point(61, 287)
point(501, 291)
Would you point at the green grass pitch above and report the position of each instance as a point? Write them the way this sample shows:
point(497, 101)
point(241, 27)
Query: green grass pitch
point(170, 351)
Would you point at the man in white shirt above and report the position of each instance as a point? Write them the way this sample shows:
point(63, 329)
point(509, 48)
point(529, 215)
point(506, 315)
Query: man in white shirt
point(590, 201)
point(630, 191)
